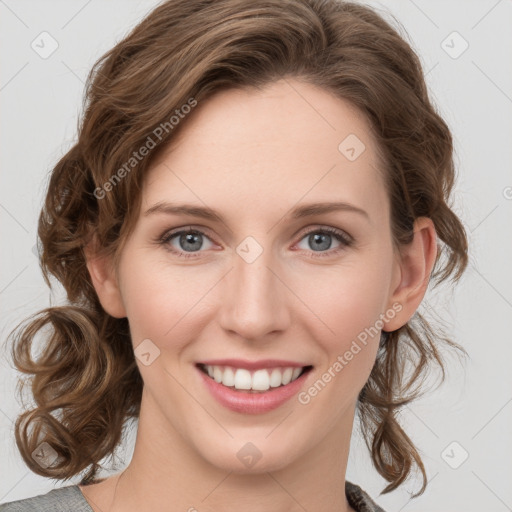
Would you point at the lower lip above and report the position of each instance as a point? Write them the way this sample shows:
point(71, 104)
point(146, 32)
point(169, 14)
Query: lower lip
point(252, 403)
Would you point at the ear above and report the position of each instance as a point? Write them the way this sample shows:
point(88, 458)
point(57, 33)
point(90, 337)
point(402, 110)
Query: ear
point(412, 273)
point(104, 280)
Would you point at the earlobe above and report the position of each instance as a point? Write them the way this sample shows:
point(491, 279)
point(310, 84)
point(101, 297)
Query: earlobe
point(417, 260)
point(105, 282)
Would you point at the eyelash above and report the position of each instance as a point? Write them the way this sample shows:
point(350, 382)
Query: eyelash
point(343, 238)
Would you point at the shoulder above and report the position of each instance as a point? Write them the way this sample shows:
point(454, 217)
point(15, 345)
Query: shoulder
point(64, 499)
point(358, 499)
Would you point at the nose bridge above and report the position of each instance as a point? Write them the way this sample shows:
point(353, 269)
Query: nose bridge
point(254, 303)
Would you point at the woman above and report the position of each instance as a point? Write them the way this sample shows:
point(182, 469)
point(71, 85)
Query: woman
point(245, 228)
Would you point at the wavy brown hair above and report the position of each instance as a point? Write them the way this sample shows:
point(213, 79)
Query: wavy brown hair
point(85, 381)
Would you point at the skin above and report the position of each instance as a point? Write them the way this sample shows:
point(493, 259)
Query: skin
point(254, 156)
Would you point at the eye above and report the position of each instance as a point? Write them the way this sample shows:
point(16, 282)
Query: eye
point(187, 241)
point(321, 238)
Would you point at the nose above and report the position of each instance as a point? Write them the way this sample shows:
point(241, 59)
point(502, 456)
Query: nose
point(255, 299)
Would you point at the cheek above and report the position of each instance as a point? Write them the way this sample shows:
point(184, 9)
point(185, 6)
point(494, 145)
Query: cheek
point(350, 303)
point(353, 336)
point(349, 299)
point(349, 346)
point(162, 301)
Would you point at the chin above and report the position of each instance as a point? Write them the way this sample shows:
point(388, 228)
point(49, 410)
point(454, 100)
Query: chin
point(251, 457)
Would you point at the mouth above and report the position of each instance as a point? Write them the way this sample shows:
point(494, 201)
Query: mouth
point(251, 381)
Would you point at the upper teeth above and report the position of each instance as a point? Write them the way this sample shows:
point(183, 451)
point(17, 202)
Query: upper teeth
point(260, 380)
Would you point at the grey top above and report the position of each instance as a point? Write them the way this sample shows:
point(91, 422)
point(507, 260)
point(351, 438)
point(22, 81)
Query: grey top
point(71, 499)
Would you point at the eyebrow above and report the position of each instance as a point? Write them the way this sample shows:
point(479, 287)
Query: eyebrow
point(210, 214)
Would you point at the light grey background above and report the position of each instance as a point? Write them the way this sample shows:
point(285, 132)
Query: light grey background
point(41, 97)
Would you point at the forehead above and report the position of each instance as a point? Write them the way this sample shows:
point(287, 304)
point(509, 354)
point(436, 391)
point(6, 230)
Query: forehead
point(290, 142)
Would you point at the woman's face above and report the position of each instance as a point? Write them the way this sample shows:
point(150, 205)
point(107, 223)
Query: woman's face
point(266, 282)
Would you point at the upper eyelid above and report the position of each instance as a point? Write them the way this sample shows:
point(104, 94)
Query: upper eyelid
point(189, 228)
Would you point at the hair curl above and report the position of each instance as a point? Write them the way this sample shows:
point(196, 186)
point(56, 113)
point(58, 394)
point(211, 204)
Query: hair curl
point(184, 49)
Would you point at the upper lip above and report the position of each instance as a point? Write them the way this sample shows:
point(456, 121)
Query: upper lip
point(253, 365)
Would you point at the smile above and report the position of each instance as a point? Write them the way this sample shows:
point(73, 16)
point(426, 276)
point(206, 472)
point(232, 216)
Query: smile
point(260, 380)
